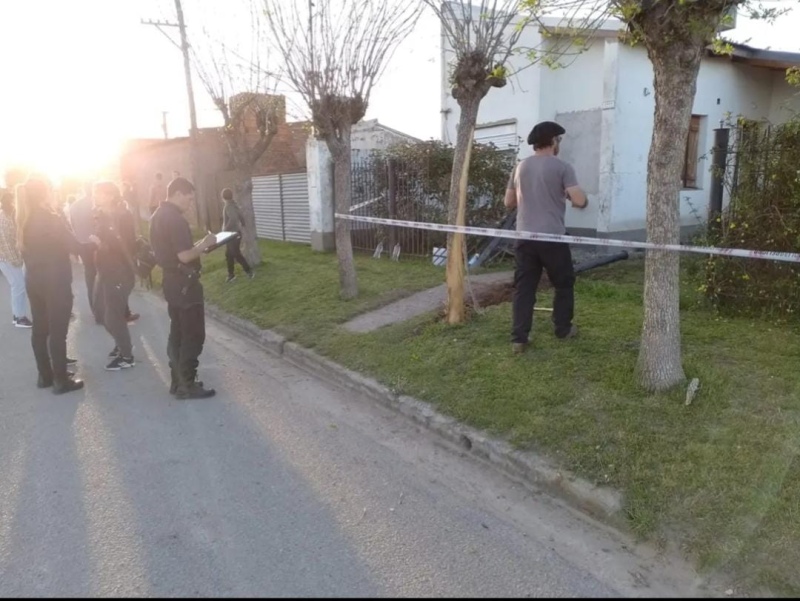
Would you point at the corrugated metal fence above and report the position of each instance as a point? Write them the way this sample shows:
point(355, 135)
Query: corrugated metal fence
point(280, 203)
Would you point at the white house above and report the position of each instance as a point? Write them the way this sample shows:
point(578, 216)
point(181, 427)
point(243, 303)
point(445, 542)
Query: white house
point(604, 100)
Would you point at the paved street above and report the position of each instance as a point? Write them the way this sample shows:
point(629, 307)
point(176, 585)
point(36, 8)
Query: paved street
point(280, 486)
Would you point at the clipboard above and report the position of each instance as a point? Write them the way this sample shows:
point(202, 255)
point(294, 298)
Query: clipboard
point(222, 239)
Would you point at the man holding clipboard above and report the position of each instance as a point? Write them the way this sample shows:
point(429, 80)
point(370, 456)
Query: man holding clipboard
point(179, 258)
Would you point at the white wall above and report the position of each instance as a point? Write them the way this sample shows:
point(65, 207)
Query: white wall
point(724, 89)
point(536, 93)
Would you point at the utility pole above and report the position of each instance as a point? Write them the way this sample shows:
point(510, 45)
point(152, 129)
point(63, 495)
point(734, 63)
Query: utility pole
point(194, 150)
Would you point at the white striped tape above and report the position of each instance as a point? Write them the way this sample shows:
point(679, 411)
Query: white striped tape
point(581, 240)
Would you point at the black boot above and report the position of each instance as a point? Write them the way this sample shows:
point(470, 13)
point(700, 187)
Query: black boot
point(69, 384)
point(47, 381)
point(194, 390)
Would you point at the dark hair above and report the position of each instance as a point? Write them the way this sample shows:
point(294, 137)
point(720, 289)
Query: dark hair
point(543, 134)
point(37, 189)
point(7, 202)
point(108, 187)
point(227, 194)
point(31, 196)
point(179, 184)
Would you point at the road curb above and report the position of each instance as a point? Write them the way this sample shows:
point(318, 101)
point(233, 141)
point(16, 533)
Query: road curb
point(603, 503)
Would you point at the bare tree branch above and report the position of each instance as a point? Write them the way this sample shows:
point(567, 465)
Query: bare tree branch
point(336, 50)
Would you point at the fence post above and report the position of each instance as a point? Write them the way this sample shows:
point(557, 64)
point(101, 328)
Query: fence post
point(280, 202)
point(319, 170)
point(392, 194)
point(718, 170)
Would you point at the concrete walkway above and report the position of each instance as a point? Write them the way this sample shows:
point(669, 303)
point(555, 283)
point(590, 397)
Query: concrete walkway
point(417, 304)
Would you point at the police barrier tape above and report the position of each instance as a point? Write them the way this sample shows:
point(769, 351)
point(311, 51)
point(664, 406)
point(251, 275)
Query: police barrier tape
point(580, 240)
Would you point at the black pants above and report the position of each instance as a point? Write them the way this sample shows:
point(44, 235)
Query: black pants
point(233, 254)
point(90, 274)
point(531, 258)
point(111, 305)
point(51, 307)
point(187, 334)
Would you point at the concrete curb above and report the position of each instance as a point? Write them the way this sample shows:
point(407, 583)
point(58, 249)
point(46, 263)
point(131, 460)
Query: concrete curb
point(602, 503)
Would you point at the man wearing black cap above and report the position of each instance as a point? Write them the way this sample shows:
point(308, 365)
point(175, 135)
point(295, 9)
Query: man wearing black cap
point(539, 189)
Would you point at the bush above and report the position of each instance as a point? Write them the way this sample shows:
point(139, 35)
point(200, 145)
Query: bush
point(763, 214)
point(411, 181)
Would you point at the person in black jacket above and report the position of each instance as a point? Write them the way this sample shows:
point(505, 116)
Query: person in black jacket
point(115, 238)
point(232, 221)
point(179, 258)
point(46, 242)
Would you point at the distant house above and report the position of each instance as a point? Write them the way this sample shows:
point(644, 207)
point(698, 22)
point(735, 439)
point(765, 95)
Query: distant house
point(143, 158)
point(604, 99)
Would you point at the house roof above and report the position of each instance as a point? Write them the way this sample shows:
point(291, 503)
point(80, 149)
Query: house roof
point(758, 57)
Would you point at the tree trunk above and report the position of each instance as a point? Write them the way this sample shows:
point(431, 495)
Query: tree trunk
point(457, 209)
point(675, 80)
point(244, 198)
point(342, 162)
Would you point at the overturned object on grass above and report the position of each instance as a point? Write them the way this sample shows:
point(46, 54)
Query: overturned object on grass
point(487, 295)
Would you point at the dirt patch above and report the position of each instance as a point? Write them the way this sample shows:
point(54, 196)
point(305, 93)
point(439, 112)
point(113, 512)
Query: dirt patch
point(489, 295)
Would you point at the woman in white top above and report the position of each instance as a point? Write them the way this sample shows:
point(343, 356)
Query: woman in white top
point(11, 262)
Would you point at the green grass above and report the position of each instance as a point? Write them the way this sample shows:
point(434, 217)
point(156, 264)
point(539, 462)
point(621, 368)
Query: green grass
point(296, 290)
point(721, 476)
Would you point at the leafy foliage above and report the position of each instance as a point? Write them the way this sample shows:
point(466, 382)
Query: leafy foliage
point(764, 214)
point(423, 175)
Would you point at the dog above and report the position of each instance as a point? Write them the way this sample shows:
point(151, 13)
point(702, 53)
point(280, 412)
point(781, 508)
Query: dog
point(145, 263)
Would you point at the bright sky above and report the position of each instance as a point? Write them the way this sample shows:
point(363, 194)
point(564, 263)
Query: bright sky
point(81, 76)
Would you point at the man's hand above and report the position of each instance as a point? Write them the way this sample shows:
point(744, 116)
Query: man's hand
point(208, 241)
point(94, 240)
point(577, 197)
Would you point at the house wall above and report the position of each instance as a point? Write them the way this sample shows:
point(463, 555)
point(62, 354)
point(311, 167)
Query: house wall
point(573, 97)
point(286, 152)
point(785, 99)
point(724, 89)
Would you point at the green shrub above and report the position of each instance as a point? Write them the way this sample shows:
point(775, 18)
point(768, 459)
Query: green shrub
point(763, 214)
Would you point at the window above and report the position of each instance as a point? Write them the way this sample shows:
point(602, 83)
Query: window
point(691, 157)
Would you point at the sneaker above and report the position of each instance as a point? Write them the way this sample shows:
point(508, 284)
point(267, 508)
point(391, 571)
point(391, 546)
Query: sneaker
point(519, 347)
point(132, 317)
point(119, 362)
point(114, 352)
point(194, 391)
point(22, 322)
point(230, 278)
point(68, 385)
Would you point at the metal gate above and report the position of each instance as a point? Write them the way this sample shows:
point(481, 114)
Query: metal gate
point(281, 208)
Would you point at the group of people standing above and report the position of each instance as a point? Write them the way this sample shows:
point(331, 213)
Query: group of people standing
point(37, 241)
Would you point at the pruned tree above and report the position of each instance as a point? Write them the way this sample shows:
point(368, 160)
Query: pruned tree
point(334, 52)
point(243, 89)
point(482, 38)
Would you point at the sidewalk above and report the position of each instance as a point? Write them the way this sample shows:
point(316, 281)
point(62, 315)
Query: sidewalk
point(419, 303)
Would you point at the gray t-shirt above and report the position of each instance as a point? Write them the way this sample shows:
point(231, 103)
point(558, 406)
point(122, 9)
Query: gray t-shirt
point(541, 183)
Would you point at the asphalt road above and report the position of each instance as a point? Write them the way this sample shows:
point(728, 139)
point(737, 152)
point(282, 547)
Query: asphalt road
point(281, 485)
